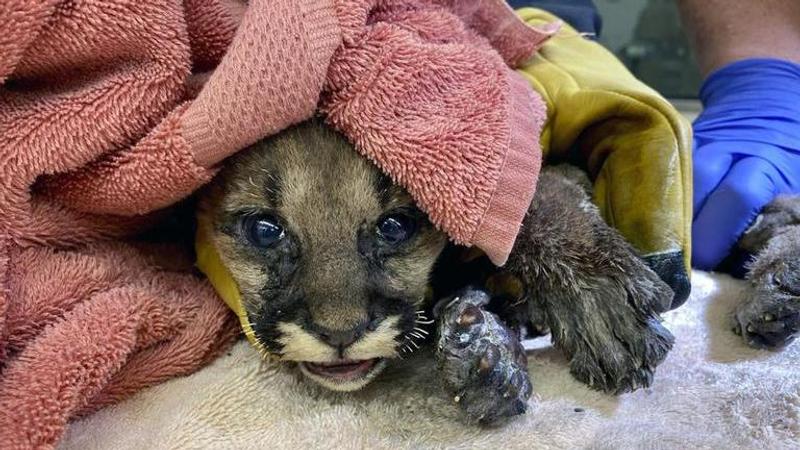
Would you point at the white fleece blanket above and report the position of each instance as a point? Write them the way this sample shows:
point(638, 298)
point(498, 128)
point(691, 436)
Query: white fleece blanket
point(711, 392)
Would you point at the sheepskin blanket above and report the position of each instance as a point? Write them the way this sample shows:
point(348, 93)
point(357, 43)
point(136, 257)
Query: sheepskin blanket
point(711, 392)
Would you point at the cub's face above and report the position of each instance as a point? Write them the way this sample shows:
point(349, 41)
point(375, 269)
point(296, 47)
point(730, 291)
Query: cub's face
point(332, 260)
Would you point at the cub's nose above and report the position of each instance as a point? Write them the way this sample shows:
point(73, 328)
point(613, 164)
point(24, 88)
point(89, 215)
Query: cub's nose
point(340, 339)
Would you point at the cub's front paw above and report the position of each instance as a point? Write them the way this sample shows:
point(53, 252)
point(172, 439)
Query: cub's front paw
point(482, 361)
point(621, 363)
point(770, 317)
point(614, 345)
point(768, 323)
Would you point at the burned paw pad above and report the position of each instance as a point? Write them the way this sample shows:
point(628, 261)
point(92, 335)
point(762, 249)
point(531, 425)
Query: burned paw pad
point(483, 362)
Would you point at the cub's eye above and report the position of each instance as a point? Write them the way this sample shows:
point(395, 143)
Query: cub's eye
point(396, 228)
point(262, 230)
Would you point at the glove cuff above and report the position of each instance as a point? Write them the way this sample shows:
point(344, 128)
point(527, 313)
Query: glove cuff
point(764, 80)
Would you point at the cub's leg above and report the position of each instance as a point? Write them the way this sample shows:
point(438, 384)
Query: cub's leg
point(770, 317)
point(598, 297)
point(784, 211)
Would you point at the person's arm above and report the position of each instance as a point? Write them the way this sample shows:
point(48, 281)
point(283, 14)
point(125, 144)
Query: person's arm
point(724, 31)
point(747, 139)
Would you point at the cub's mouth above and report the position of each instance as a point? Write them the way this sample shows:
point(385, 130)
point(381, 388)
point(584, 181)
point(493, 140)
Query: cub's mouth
point(343, 374)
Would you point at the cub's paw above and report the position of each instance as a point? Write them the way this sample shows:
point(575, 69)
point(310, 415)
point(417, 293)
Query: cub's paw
point(613, 346)
point(621, 364)
point(482, 361)
point(770, 317)
point(765, 324)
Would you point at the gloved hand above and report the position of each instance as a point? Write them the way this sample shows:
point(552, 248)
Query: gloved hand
point(746, 151)
point(634, 144)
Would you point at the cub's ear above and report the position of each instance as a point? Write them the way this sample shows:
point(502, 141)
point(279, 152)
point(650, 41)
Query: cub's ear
point(471, 254)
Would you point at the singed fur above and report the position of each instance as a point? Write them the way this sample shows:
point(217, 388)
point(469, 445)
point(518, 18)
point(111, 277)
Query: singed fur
point(770, 317)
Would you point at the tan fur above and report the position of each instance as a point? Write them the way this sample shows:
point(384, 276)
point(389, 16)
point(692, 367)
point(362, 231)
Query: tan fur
point(376, 344)
point(300, 345)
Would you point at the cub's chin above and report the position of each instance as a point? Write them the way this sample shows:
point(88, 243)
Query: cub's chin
point(343, 375)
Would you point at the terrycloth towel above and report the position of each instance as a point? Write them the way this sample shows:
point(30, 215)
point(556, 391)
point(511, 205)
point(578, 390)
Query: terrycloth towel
point(420, 88)
point(96, 127)
point(712, 392)
point(87, 328)
point(107, 116)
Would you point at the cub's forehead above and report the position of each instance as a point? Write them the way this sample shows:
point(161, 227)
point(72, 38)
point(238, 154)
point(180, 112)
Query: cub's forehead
point(307, 171)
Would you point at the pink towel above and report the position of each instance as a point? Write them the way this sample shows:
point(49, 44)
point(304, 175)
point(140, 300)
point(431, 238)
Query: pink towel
point(111, 110)
point(86, 328)
point(97, 125)
point(425, 90)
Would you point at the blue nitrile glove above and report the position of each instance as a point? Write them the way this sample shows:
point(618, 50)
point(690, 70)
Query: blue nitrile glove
point(746, 151)
point(579, 14)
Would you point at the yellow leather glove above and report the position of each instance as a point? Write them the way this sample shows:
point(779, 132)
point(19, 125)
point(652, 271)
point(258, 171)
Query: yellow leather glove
point(634, 144)
point(209, 262)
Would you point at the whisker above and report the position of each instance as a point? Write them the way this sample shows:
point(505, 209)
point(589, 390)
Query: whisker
point(451, 302)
